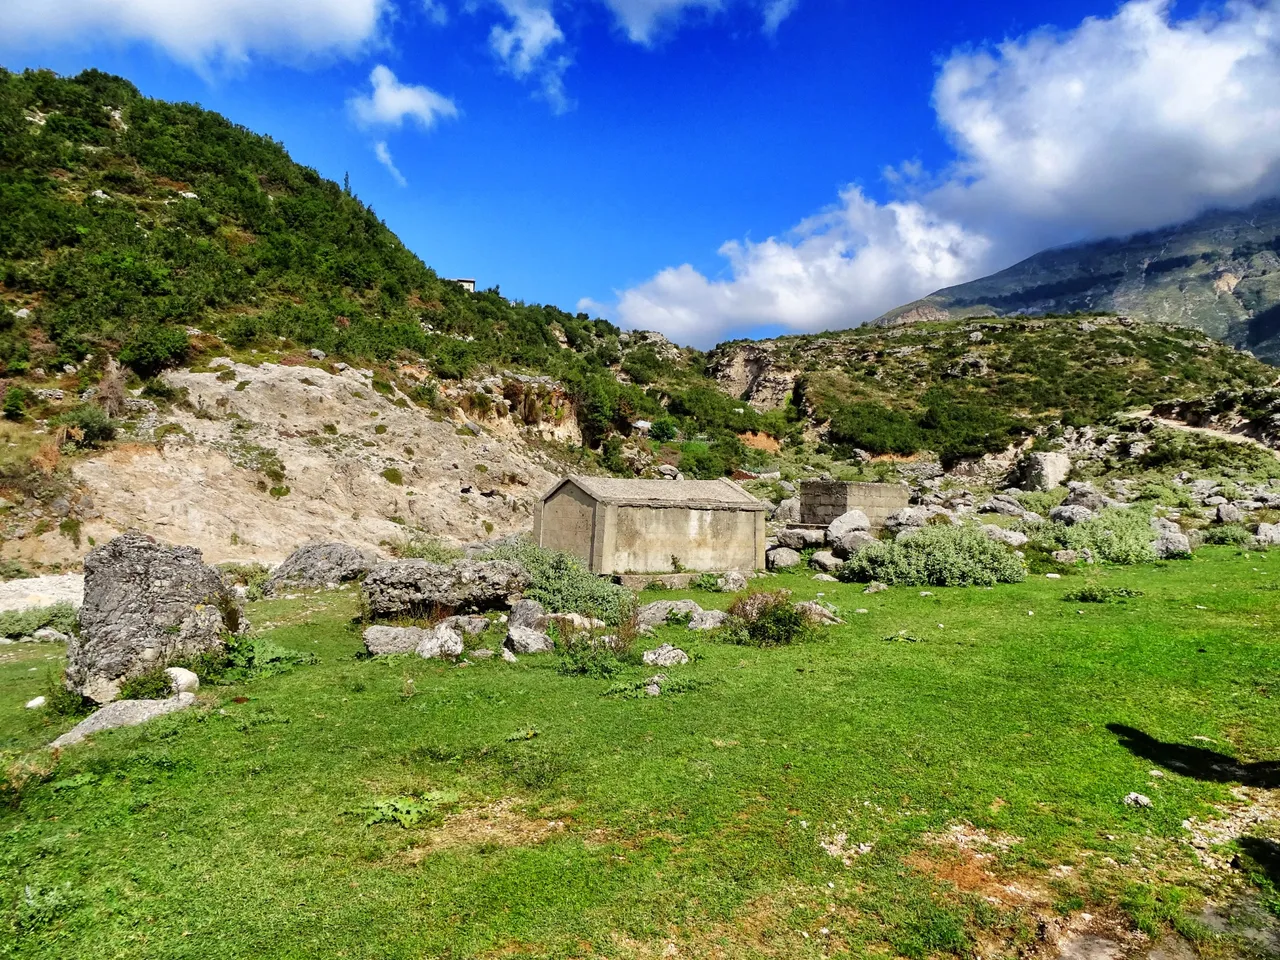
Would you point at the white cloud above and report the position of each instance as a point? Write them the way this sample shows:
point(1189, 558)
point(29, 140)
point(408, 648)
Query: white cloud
point(642, 18)
point(524, 48)
point(383, 153)
point(1120, 125)
point(437, 13)
point(200, 32)
point(391, 102)
point(775, 11)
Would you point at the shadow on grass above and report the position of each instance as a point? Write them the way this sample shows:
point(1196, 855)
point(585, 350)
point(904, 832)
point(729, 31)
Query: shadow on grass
point(1197, 762)
point(1265, 855)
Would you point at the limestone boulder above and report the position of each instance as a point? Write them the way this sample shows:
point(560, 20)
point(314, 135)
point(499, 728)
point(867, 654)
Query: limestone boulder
point(1268, 535)
point(655, 614)
point(802, 538)
point(414, 587)
point(1228, 513)
point(439, 643)
point(428, 642)
point(528, 613)
point(787, 511)
point(732, 582)
point(907, 518)
point(850, 522)
point(527, 640)
point(124, 713)
point(826, 560)
point(315, 565)
point(1012, 538)
point(665, 656)
point(851, 543)
point(145, 605)
point(782, 558)
point(816, 613)
point(182, 680)
point(707, 619)
point(1170, 542)
point(1045, 471)
point(1070, 515)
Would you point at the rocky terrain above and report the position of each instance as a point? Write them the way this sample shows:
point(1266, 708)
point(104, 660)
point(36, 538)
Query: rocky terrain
point(1219, 273)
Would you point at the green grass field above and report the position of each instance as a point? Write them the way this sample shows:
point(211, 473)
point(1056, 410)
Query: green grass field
point(951, 751)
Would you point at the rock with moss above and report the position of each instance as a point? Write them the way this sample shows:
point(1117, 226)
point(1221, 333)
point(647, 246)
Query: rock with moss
point(412, 587)
point(146, 604)
point(124, 713)
point(315, 565)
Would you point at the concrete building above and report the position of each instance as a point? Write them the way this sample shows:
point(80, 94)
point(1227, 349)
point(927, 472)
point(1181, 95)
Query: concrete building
point(821, 501)
point(466, 283)
point(639, 526)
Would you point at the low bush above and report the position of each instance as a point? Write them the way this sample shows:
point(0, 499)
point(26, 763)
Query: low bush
point(707, 581)
point(1116, 535)
point(1042, 502)
point(86, 426)
point(1228, 534)
point(765, 618)
point(62, 617)
point(1093, 593)
point(252, 576)
point(590, 657)
point(563, 584)
point(421, 547)
point(936, 556)
point(152, 685)
point(242, 659)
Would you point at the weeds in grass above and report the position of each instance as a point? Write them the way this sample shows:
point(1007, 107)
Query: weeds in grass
point(765, 618)
point(61, 702)
point(419, 546)
point(152, 685)
point(410, 811)
point(252, 576)
point(242, 659)
point(1228, 534)
point(634, 689)
point(708, 582)
point(1119, 536)
point(1093, 593)
point(562, 584)
point(41, 906)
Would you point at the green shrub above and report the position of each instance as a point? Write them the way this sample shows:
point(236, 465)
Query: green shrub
point(1042, 503)
point(1116, 535)
point(62, 617)
point(15, 404)
point(588, 657)
point(61, 702)
point(664, 429)
point(252, 576)
point(242, 659)
point(87, 426)
point(152, 685)
point(392, 475)
point(939, 557)
point(766, 618)
point(422, 547)
point(706, 581)
point(1093, 593)
point(562, 584)
point(1228, 534)
point(153, 348)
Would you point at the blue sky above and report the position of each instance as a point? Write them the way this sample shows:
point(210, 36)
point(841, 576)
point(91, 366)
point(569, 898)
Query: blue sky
point(602, 153)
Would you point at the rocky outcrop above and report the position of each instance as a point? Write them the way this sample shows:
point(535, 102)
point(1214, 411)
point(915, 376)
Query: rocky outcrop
point(318, 565)
point(430, 643)
point(414, 587)
point(1045, 471)
point(145, 605)
point(751, 371)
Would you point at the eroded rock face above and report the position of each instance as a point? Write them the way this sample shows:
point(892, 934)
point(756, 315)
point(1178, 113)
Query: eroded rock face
point(145, 605)
point(319, 564)
point(1045, 471)
point(410, 587)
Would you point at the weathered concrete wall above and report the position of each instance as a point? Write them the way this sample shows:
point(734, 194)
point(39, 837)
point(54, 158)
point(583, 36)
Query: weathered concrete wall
point(567, 522)
point(821, 501)
point(644, 539)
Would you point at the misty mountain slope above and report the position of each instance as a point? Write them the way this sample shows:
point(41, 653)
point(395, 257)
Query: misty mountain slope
point(1219, 272)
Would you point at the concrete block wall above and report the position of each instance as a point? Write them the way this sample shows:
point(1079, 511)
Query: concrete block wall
point(821, 501)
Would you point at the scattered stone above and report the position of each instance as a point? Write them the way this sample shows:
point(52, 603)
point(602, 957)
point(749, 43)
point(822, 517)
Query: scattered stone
point(182, 680)
point(876, 587)
point(1137, 800)
point(1070, 514)
point(482, 654)
point(123, 713)
point(801, 538)
point(36, 703)
point(655, 614)
point(826, 560)
point(824, 578)
point(1228, 513)
point(315, 565)
point(439, 643)
point(1170, 542)
point(472, 625)
point(707, 619)
point(1065, 556)
point(665, 656)
point(50, 635)
point(782, 558)
point(529, 614)
point(1268, 534)
point(526, 640)
point(508, 656)
point(1013, 538)
point(145, 604)
point(429, 643)
point(653, 686)
point(316, 354)
point(847, 523)
point(407, 587)
point(732, 582)
point(816, 613)
point(1053, 576)
point(852, 543)
point(907, 517)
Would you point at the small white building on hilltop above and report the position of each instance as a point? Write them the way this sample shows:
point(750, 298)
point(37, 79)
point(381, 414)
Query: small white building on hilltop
point(653, 526)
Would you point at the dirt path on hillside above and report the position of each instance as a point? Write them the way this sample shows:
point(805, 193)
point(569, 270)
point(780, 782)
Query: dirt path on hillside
point(1209, 431)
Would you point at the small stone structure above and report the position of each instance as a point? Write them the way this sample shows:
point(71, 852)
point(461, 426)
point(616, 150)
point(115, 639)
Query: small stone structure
point(822, 501)
point(650, 526)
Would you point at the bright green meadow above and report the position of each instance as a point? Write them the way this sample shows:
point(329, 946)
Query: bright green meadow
point(408, 808)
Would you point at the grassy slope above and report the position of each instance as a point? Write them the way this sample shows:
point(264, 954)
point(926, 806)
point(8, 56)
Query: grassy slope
point(692, 818)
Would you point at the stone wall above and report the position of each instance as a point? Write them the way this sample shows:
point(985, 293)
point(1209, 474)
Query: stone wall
point(821, 501)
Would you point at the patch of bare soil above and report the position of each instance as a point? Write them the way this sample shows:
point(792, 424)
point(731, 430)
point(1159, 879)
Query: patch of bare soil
point(498, 824)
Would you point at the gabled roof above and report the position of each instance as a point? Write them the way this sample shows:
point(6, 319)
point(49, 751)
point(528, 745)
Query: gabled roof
point(722, 494)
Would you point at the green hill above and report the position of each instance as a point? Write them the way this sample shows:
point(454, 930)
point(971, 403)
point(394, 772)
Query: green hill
point(1219, 272)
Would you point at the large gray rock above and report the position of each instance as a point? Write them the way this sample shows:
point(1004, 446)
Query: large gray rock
point(816, 613)
point(782, 558)
point(529, 614)
point(319, 564)
point(146, 604)
point(732, 582)
point(1170, 542)
point(788, 511)
point(124, 713)
point(415, 587)
point(846, 523)
point(428, 642)
point(800, 538)
point(1070, 515)
point(655, 614)
point(665, 656)
point(852, 542)
point(1045, 471)
point(1228, 513)
point(826, 560)
point(1003, 504)
point(907, 518)
point(1013, 538)
point(707, 619)
point(1268, 535)
point(527, 640)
